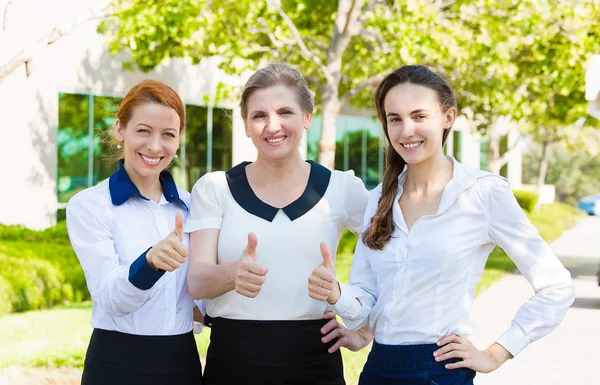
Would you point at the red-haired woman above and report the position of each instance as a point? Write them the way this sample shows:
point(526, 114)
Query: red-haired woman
point(427, 234)
point(127, 233)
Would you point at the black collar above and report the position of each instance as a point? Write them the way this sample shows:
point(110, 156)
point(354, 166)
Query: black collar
point(245, 197)
point(122, 188)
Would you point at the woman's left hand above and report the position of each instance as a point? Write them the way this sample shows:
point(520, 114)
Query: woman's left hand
point(351, 340)
point(483, 361)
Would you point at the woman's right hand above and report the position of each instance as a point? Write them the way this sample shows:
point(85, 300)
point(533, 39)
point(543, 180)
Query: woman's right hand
point(170, 253)
point(249, 274)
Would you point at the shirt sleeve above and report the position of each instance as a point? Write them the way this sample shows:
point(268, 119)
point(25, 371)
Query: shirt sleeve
point(510, 229)
point(111, 285)
point(206, 211)
point(359, 296)
point(356, 198)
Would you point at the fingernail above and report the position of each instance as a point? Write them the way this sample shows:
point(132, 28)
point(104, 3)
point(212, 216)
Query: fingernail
point(438, 343)
point(437, 358)
point(446, 366)
point(435, 354)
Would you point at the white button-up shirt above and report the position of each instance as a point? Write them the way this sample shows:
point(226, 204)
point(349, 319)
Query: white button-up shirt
point(111, 227)
point(421, 286)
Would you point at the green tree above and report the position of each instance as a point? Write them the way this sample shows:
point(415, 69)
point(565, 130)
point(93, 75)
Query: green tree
point(343, 48)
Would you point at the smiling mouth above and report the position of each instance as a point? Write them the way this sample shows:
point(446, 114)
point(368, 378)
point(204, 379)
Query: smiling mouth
point(411, 146)
point(276, 140)
point(151, 160)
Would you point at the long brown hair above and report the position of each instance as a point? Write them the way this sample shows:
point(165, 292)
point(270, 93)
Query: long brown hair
point(381, 227)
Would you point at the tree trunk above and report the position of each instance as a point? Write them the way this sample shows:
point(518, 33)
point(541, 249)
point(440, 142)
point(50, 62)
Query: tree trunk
point(330, 113)
point(495, 161)
point(543, 167)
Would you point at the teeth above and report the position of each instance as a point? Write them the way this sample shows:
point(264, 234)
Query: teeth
point(151, 160)
point(411, 145)
point(276, 140)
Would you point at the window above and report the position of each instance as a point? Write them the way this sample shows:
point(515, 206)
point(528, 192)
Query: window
point(358, 147)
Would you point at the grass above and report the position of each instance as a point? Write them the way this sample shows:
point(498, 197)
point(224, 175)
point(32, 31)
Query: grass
point(58, 337)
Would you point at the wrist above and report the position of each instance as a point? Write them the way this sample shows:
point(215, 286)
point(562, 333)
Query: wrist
point(498, 354)
point(335, 295)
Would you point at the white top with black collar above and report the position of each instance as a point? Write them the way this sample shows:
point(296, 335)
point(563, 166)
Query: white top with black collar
point(288, 238)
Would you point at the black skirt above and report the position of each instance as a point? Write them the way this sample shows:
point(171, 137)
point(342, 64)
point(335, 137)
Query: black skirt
point(271, 353)
point(119, 358)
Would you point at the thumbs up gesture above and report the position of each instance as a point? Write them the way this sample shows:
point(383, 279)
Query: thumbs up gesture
point(322, 284)
point(250, 275)
point(170, 253)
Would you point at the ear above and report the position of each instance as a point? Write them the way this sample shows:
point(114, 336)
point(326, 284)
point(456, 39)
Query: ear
point(246, 129)
point(449, 118)
point(307, 120)
point(119, 131)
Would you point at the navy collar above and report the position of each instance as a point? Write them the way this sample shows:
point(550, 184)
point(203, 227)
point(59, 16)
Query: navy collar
point(245, 197)
point(122, 188)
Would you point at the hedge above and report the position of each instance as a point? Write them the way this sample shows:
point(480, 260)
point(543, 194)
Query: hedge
point(6, 296)
point(35, 283)
point(527, 199)
point(55, 234)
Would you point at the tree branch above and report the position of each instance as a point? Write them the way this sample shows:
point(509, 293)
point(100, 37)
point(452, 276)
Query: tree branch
point(368, 82)
point(26, 55)
point(306, 53)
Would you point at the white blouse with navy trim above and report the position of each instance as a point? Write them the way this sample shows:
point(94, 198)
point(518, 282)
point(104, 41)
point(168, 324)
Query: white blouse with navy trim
point(112, 227)
point(288, 238)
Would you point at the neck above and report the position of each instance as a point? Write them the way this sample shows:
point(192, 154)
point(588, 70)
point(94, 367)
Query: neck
point(149, 187)
point(430, 174)
point(279, 170)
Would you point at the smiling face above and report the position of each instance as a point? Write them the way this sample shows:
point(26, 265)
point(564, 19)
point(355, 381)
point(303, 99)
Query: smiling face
point(416, 122)
point(275, 122)
point(150, 140)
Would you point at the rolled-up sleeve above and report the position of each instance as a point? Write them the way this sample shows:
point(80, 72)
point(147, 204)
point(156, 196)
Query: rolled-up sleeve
point(510, 229)
point(110, 284)
point(206, 211)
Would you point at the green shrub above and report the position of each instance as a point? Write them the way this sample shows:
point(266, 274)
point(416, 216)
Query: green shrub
point(6, 296)
point(60, 256)
point(36, 283)
point(527, 199)
point(55, 234)
point(347, 242)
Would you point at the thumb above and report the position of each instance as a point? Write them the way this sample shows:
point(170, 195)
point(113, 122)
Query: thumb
point(326, 256)
point(179, 225)
point(251, 248)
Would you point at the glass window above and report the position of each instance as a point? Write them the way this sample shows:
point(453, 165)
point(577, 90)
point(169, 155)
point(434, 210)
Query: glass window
point(105, 112)
point(73, 145)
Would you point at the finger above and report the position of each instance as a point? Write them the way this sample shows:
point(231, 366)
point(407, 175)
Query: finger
point(255, 268)
point(452, 354)
point(448, 348)
point(318, 290)
point(338, 344)
point(172, 262)
point(326, 280)
point(457, 365)
point(172, 253)
point(317, 296)
point(251, 248)
point(179, 225)
point(180, 249)
point(326, 256)
point(329, 326)
point(246, 292)
point(329, 314)
point(448, 339)
point(246, 277)
point(331, 336)
point(160, 265)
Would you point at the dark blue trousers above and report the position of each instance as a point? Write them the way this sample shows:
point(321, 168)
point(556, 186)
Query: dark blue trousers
point(410, 365)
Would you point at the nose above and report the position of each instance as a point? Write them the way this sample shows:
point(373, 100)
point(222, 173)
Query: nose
point(154, 143)
point(273, 123)
point(408, 129)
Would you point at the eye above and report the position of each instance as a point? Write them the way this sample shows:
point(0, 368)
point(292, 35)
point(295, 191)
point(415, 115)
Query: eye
point(285, 112)
point(169, 134)
point(259, 115)
point(394, 119)
point(144, 131)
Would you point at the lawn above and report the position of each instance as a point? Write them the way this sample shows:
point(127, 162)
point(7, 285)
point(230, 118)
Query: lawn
point(58, 337)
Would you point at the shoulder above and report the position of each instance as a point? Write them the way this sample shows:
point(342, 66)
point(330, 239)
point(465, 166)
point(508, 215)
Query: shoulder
point(215, 180)
point(96, 197)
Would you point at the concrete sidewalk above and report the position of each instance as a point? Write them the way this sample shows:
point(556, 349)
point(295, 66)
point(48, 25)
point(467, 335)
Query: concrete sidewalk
point(567, 356)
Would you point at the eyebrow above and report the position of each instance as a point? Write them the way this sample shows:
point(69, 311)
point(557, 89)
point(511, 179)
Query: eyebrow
point(149, 126)
point(420, 110)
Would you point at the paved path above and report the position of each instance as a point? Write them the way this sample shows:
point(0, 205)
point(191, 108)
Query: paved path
point(569, 355)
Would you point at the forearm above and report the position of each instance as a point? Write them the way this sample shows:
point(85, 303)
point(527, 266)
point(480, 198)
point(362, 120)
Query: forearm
point(498, 354)
point(208, 281)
